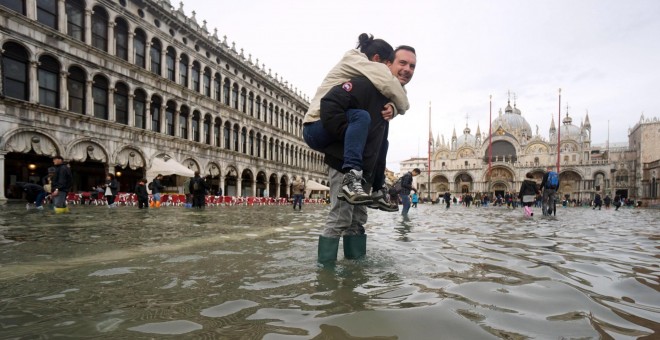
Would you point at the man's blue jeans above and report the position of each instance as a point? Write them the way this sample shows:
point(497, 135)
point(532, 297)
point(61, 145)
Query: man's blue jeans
point(405, 200)
point(318, 138)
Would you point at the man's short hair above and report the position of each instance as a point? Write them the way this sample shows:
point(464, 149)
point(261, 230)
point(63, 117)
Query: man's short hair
point(58, 157)
point(405, 47)
point(417, 170)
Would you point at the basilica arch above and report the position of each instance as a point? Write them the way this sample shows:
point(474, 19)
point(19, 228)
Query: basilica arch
point(501, 180)
point(247, 179)
point(440, 184)
point(503, 151)
point(464, 183)
point(569, 184)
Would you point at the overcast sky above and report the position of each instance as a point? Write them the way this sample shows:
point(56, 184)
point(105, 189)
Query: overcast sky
point(603, 54)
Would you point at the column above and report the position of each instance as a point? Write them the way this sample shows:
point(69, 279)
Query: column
point(147, 112)
point(211, 131)
point(254, 187)
point(61, 16)
point(268, 188)
point(2, 177)
point(163, 118)
point(64, 91)
point(31, 9)
point(111, 105)
point(221, 184)
point(189, 126)
point(33, 82)
point(277, 189)
point(177, 130)
point(89, 100)
point(212, 85)
point(147, 56)
point(176, 72)
point(189, 80)
point(163, 63)
point(239, 186)
point(111, 38)
point(131, 110)
point(88, 27)
point(131, 52)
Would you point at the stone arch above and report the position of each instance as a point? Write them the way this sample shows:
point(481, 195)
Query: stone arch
point(87, 149)
point(262, 181)
point(130, 157)
point(284, 184)
point(440, 184)
point(26, 140)
point(464, 182)
point(247, 178)
point(192, 164)
point(569, 183)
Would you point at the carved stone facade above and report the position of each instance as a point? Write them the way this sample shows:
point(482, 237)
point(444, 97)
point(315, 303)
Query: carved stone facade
point(461, 164)
point(111, 85)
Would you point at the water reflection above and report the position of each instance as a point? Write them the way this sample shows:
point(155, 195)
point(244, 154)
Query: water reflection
point(250, 272)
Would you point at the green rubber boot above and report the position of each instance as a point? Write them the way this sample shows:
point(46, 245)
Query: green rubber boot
point(328, 247)
point(355, 246)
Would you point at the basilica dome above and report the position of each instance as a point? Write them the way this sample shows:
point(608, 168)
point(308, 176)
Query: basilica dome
point(570, 131)
point(466, 139)
point(513, 122)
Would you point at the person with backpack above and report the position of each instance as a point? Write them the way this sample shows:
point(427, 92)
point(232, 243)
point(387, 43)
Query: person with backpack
point(549, 184)
point(198, 189)
point(406, 187)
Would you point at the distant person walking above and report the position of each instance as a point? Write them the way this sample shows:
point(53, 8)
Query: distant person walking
point(111, 190)
point(549, 185)
point(598, 202)
point(156, 188)
point(198, 189)
point(406, 187)
point(527, 194)
point(414, 199)
point(298, 193)
point(608, 201)
point(142, 194)
point(62, 182)
point(447, 198)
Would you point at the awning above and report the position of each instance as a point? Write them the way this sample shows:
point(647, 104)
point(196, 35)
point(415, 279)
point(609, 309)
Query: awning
point(312, 185)
point(166, 168)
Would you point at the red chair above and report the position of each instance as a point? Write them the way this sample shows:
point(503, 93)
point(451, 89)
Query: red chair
point(122, 198)
point(209, 200)
point(175, 200)
point(99, 199)
point(73, 198)
point(182, 199)
point(250, 200)
point(227, 200)
point(164, 199)
point(239, 200)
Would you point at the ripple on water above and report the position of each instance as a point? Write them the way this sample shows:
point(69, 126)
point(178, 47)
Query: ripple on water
point(227, 308)
point(168, 327)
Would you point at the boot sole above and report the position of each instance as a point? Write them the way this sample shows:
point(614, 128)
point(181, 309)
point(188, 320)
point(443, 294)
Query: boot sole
point(343, 197)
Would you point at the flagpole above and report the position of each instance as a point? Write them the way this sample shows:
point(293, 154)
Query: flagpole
point(490, 139)
point(429, 154)
point(559, 132)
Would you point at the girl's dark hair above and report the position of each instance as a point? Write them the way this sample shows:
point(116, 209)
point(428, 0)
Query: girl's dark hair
point(370, 46)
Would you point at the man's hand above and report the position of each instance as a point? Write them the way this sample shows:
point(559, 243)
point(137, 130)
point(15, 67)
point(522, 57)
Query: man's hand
point(388, 112)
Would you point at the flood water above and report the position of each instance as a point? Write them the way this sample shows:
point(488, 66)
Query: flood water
point(250, 273)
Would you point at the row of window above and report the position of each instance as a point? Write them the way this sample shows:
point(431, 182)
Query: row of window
point(151, 56)
point(137, 109)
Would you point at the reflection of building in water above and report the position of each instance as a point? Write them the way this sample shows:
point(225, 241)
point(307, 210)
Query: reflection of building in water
point(460, 165)
point(113, 85)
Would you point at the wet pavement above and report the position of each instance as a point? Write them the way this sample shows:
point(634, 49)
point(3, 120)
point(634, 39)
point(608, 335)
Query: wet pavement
point(250, 273)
